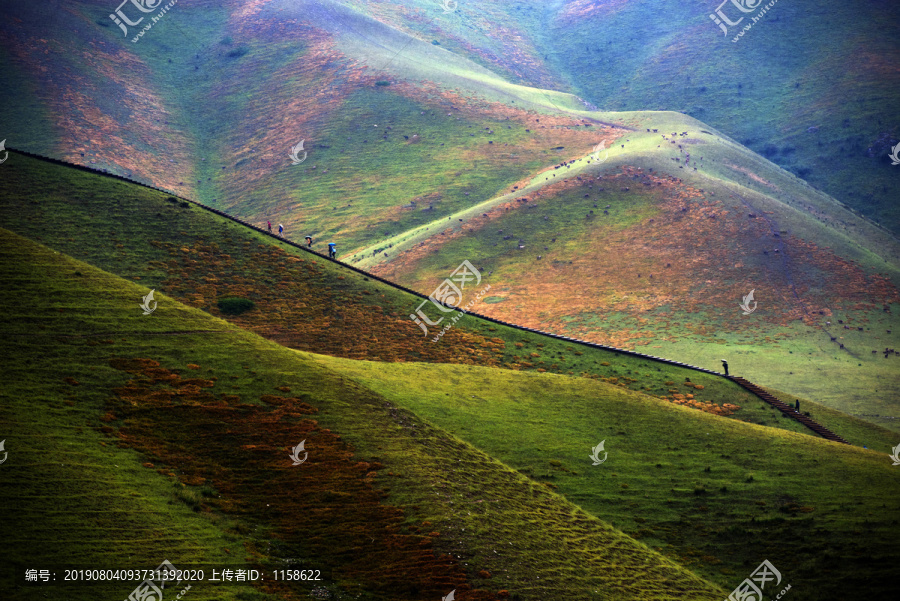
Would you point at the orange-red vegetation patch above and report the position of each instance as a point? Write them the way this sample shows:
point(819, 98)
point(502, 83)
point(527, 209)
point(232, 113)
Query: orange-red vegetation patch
point(723, 410)
point(694, 254)
point(299, 307)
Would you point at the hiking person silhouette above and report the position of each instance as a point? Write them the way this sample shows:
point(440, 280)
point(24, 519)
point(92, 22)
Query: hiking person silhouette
point(332, 250)
point(269, 224)
point(280, 230)
point(725, 366)
point(797, 405)
point(309, 242)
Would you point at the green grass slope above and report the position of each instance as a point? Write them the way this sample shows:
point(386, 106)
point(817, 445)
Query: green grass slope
point(211, 101)
point(301, 301)
point(808, 89)
point(717, 495)
point(225, 92)
point(172, 432)
point(641, 249)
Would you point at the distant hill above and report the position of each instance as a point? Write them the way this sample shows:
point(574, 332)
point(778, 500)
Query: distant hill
point(655, 245)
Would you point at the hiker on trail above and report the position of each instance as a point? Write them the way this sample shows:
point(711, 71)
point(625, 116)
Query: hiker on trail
point(309, 242)
point(332, 250)
point(725, 366)
point(269, 224)
point(280, 230)
point(797, 405)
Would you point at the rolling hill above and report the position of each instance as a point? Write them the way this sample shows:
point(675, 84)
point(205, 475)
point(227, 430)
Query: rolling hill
point(183, 415)
point(808, 87)
point(176, 434)
point(604, 199)
point(415, 117)
point(622, 253)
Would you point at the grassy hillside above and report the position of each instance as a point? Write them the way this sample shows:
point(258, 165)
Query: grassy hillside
point(711, 493)
point(626, 252)
point(193, 415)
point(435, 135)
point(818, 104)
point(301, 301)
point(77, 206)
point(415, 119)
point(211, 101)
point(176, 429)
